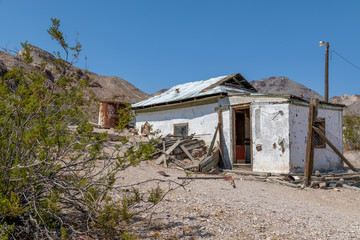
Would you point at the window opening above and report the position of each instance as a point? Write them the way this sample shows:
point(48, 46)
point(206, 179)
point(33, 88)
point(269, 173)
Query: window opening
point(181, 129)
point(318, 142)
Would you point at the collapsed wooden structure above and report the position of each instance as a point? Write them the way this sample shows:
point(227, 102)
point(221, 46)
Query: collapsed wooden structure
point(187, 152)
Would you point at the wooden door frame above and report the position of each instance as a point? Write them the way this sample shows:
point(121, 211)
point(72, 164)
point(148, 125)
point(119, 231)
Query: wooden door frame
point(234, 109)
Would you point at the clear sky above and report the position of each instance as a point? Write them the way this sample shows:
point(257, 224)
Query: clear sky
point(156, 44)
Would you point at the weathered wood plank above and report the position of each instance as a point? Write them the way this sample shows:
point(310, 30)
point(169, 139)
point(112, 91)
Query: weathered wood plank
point(187, 153)
point(309, 160)
point(164, 149)
point(213, 141)
point(161, 159)
point(210, 162)
point(199, 144)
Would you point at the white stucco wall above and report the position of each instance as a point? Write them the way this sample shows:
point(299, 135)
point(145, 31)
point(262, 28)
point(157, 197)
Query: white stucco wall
point(270, 137)
point(324, 158)
point(227, 138)
point(202, 120)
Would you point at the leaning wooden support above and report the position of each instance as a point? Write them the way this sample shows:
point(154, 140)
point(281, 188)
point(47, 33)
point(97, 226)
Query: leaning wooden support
point(209, 162)
point(213, 141)
point(309, 161)
point(322, 135)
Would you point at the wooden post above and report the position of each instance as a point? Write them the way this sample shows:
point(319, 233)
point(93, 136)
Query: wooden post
point(327, 72)
point(212, 142)
point(220, 122)
point(309, 161)
point(164, 149)
point(322, 135)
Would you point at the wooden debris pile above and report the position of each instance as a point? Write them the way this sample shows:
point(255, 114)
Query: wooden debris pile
point(319, 180)
point(188, 152)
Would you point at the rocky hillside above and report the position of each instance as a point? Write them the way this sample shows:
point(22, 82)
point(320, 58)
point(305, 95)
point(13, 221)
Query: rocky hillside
point(352, 103)
point(104, 87)
point(283, 85)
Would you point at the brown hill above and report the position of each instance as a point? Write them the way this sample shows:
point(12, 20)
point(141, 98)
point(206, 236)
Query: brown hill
point(104, 87)
point(283, 85)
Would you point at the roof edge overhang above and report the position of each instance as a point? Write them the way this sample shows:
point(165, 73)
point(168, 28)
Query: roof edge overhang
point(180, 102)
point(296, 100)
point(238, 78)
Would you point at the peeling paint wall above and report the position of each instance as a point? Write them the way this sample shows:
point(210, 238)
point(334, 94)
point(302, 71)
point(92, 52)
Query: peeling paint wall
point(270, 137)
point(324, 158)
point(202, 120)
point(227, 138)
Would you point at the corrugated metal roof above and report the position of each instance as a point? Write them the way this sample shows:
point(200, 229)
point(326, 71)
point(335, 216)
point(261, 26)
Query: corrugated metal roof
point(196, 89)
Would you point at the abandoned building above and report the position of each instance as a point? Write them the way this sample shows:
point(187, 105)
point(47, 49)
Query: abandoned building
point(267, 133)
point(108, 113)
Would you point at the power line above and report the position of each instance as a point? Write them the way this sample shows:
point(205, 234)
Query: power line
point(345, 59)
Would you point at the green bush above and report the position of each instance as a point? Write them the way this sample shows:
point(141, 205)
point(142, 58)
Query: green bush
point(352, 132)
point(50, 183)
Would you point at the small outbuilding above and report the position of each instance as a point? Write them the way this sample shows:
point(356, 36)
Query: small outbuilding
point(267, 133)
point(109, 113)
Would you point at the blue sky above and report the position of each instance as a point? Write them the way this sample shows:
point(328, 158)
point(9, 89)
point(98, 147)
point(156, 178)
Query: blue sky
point(158, 44)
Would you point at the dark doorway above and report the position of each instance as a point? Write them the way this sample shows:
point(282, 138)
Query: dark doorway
point(242, 137)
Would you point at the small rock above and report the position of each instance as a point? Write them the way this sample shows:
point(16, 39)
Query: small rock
point(322, 185)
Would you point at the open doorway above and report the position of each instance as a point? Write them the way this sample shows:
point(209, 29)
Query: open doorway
point(242, 137)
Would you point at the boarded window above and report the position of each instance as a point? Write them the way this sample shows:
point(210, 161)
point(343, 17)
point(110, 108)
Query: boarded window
point(181, 129)
point(318, 142)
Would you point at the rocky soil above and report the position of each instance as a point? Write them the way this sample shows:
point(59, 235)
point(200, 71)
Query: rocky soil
point(214, 209)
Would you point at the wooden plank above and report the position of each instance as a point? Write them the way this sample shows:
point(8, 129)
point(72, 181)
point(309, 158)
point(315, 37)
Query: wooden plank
point(199, 144)
point(210, 162)
point(286, 183)
point(239, 172)
point(187, 153)
point(309, 160)
point(351, 187)
point(192, 166)
point(202, 177)
point(213, 141)
point(220, 122)
point(316, 105)
point(322, 135)
point(160, 159)
point(164, 149)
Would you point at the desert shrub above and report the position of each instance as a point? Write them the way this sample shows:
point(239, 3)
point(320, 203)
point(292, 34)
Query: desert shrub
point(55, 179)
point(352, 132)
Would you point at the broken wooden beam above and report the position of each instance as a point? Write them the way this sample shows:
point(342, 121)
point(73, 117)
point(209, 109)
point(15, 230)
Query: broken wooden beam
point(161, 158)
point(209, 162)
point(187, 153)
point(286, 183)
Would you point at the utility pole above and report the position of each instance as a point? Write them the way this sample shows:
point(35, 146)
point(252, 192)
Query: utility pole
point(327, 72)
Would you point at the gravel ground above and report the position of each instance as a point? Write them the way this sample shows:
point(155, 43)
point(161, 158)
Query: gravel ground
point(213, 209)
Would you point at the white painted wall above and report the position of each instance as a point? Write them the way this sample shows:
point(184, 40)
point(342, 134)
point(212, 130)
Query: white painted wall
point(270, 137)
point(202, 120)
point(324, 158)
point(227, 138)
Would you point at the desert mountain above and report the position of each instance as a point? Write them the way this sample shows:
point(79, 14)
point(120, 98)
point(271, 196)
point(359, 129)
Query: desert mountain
point(104, 87)
point(352, 103)
point(283, 85)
